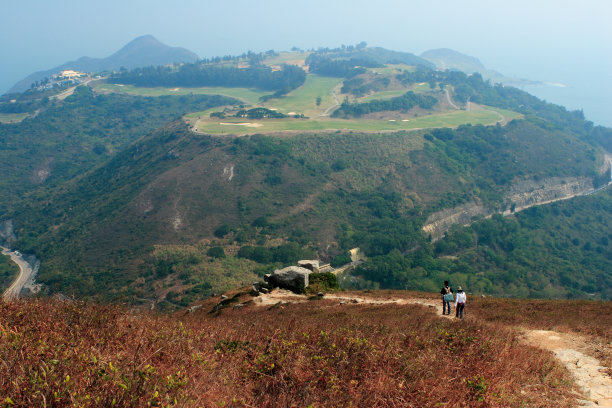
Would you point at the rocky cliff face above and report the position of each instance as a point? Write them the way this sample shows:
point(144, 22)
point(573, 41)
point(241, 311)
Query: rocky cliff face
point(440, 222)
point(519, 196)
point(528, 193)
point(7, 233)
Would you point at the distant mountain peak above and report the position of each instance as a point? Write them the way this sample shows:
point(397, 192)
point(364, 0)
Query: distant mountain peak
point(146, 40)
point(142, 51)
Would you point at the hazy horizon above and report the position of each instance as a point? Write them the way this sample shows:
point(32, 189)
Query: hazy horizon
point(554, 42)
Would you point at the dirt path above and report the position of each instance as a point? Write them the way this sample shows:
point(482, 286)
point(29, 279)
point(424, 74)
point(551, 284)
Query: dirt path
point(335, 91)
point(572, 350)
point(588, 372)
point(286, 296)
point(449, 100)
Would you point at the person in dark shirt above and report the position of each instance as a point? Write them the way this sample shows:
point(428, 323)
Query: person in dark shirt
point(447, 297)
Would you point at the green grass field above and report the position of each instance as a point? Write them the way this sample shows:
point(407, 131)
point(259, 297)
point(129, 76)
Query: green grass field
point(303, 99)
point(391, 69)
point(392, 93)
point(248, 95)
point(12, 117)
point(239, 126)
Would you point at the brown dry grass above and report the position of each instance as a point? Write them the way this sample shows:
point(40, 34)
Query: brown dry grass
point(316, 354)
point(590, 319)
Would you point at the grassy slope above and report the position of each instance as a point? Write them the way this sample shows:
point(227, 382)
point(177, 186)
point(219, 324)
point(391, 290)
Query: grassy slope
point(314, 354)
point(388, 94)
point(12, 117)
point(76, 135)
point(303, 99)
point(248, 95)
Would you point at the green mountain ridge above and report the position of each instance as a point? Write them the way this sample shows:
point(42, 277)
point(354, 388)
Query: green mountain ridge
point(447, 59)
point(162, 213)
point(174, 187)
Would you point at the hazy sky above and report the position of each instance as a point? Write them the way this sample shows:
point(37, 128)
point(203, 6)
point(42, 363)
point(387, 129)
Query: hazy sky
point(549, 40)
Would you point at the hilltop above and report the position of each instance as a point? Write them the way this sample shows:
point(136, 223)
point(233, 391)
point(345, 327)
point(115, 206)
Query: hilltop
point(140, 52)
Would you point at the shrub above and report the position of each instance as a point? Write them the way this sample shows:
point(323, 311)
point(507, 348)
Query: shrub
point(260, 222)
point(216, 252)
point(222, 231)
point(322, 282)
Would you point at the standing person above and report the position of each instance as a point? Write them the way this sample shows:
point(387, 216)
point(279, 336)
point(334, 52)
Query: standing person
point(460, 303)
point(447, 298)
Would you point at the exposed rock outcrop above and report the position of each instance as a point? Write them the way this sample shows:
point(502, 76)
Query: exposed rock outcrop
point(293, 278)
point(527, 193)
point(519, 196)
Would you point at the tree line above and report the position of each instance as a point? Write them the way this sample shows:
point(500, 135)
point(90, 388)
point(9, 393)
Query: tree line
point(196, 74)
point(341, 68)
point(401, 103)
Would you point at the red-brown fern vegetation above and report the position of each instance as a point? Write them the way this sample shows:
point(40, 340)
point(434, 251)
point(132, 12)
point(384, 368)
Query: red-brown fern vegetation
point(315, 354)
point(592, 319)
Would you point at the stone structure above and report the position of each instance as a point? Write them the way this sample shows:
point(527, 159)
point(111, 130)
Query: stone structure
point(293, 278)
point(312, 265)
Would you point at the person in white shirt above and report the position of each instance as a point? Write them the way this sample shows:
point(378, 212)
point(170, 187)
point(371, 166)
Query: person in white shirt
point(460, 302)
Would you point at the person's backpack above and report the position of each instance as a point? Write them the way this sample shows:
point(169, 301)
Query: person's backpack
point(448, 296)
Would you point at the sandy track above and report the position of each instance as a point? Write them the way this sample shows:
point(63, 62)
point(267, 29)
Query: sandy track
point(570, 349)
point(286, 296)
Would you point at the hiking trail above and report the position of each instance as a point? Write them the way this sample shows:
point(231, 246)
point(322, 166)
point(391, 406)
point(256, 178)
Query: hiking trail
point(570, 349)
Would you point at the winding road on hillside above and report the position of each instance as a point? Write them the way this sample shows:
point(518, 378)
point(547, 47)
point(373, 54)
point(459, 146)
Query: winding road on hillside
point(570, 349)
point(438, 233)
point(63, 95)
point(25, 273)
